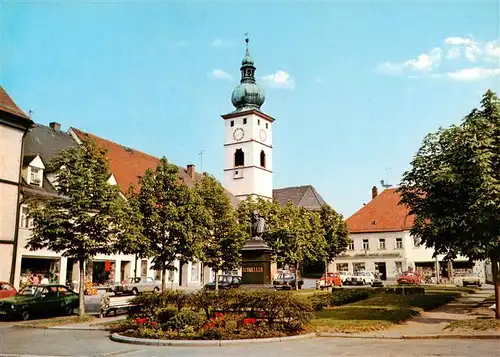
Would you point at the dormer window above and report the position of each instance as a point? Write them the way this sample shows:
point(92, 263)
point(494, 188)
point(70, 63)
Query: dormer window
point(35, 176)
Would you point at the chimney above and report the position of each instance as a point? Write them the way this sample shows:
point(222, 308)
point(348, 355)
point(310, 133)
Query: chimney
point(374, 192)
point(55, 126)
point(191, 171)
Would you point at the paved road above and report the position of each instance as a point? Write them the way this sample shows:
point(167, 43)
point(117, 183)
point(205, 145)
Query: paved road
point(38, 342)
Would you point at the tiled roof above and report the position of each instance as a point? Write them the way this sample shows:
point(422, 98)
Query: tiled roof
point(8, 105)
point(128, 164)
point(302, 196)
point(46, 142)
point(382, 214)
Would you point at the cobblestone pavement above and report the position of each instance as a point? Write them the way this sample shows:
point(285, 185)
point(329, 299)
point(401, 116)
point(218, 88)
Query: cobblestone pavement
point(38, 342)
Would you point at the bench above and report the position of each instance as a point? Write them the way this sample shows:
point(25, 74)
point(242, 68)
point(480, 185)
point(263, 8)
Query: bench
point(113, 303)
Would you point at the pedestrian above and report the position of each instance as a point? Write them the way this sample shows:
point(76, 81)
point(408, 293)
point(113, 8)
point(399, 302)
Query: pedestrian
point(36, 279)
point(45, 280)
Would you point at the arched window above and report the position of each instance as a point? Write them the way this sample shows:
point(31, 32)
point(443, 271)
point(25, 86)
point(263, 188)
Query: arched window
point(239, 158)
point(262, 158)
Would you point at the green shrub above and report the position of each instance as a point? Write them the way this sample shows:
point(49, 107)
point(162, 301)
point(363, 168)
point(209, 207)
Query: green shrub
point(346, 296)
point(164, 314)
point(212, 333)
point(320, 300)
point(186, 318)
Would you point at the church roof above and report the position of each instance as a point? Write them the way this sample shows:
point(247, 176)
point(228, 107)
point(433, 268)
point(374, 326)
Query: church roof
point(302, 196)
point(128, 164)
point(381, 214)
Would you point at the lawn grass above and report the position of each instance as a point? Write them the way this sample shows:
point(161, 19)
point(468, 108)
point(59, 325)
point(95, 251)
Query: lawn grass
point(58, 321)
point(379, 311)
point(479, 324)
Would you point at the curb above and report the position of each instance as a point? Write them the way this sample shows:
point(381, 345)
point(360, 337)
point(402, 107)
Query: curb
point(203, 343)
point(412, 337)
point(62, 327)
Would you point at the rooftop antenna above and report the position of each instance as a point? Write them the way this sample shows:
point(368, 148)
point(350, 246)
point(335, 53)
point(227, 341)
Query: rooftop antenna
point(384, 183)
point(30, 113)
point(201, 159)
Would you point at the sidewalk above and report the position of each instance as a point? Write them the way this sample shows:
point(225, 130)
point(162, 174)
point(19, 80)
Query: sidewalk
point(97, 324)
point(433, 322)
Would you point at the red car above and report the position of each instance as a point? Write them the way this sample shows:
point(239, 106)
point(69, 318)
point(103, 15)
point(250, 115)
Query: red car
point(331, 280)
point(409, 277)
point(6, 290)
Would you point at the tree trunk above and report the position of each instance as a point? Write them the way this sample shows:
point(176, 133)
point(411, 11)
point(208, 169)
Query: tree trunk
point(326, 272)
point(296, 276)
point(163, 279)
point(81, 289)
point(496, 282)
point(216, 280)
point(135, 266)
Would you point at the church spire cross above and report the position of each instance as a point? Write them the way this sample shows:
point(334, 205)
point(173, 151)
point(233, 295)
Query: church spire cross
point(246, 41)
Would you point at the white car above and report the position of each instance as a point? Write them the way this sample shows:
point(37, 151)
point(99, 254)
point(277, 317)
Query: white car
point(345, 276)
point(363, 277)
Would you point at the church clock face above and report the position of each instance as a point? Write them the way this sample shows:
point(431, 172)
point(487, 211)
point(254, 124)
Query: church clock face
point(238, 134)
point(263, 135)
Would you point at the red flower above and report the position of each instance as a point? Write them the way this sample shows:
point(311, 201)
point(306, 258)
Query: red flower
point(218, 315)
point(249, 320)
point(141, 321)
point(154, 323)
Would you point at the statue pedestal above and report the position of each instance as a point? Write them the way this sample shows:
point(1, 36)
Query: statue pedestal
point(256, 263)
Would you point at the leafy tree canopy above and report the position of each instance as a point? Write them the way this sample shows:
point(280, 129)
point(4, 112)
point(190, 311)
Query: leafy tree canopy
point(335, 231)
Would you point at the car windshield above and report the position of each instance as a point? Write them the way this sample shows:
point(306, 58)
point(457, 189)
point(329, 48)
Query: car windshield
point(134, 280)
point(31, 290)
point(225, 278)
point(286, 276)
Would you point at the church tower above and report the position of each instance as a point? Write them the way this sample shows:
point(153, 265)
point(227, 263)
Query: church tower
point(248, 143)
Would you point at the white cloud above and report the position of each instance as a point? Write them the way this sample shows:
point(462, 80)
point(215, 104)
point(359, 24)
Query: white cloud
point(425, 61)
point(473, 74)
point(492, 50)
point(453, 53)
point(220, 74)
point(280, 79)
point(219, 43)
point(460, 41)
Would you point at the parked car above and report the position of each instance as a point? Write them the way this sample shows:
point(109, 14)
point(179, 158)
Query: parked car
point(409, 277)
point(363, 277)
point(330, 280)
point(6, 290)
point(137, 285)
point(39, 300)
point(467, 278)
point(286, 281)
point(345, 276)
point(225, 282)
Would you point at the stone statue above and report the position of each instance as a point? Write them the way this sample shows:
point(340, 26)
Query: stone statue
point(258, 226)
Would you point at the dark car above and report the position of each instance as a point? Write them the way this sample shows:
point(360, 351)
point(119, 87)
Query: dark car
point(39, 300)
point(225, 281)
point(286, 281)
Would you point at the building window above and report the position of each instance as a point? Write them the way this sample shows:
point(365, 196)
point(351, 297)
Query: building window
point(239, 158)
point(399, 267)
point(399, 243)
point(267, 125)
point(25, 220)
point(416, 242)
point(342, 266)
point(244, 121)
point(366, 245)
point(381, 244)
point(258, 121)
point(351, 245)
point(35, 176)
point(358, 267)
point(262, 158)
point(232, 122)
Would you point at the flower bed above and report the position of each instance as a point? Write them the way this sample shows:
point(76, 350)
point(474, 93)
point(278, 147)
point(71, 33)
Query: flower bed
point(234, 314)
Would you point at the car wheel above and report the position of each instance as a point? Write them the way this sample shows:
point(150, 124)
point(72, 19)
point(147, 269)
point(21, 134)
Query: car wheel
point(156, 289)
point(68, 310)
point(25, 315)
point(135, 291)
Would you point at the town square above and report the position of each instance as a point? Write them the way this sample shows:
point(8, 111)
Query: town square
point(233, 179)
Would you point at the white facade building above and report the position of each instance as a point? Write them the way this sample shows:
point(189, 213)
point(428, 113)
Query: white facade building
point(381, 240)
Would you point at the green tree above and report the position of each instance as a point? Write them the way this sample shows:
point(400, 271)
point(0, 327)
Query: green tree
point(89, 216)
point(222, 247)
point(174, 219)
point(336, 233)
point(453, 188)
point(297, 235)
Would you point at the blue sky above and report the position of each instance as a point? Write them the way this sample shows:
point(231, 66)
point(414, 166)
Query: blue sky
point(354, 87)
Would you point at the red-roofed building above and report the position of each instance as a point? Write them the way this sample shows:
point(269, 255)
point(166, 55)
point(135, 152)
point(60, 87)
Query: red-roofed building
point(381, 240)
point(14, 124)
